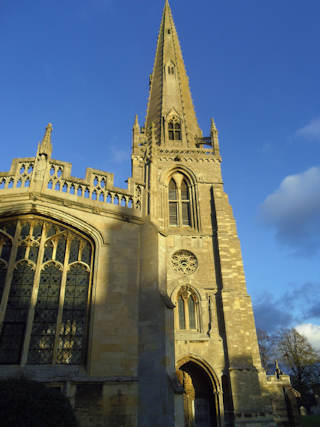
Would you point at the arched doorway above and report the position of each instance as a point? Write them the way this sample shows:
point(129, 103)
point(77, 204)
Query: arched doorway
point(200, 396)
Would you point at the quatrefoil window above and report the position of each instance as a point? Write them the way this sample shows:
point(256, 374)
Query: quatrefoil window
point(184, 262)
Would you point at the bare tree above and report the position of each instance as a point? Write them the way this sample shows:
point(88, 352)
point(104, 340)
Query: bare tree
point(301, 360)
point(266, 348)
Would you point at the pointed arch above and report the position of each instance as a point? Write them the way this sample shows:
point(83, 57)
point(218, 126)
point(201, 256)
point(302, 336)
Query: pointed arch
point(46, 284)
point(188, 215)
point(170, 67)
point(180, 201)
point(187, 309)
point(201, 392)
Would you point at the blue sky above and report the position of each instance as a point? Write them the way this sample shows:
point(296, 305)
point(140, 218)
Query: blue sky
point(253, 65)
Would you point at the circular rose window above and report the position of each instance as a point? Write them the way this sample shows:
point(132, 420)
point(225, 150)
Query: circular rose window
point(184, 262)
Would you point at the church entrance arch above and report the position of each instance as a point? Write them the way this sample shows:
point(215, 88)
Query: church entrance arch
point(201, 406)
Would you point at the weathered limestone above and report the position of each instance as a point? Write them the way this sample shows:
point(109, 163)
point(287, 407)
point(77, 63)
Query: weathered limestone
point(170, 337)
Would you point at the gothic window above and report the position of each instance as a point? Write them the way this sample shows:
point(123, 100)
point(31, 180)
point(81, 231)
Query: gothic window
point(187, 310)
point(5, 251)
point(179, 201)
point(46, 270)
point(174, 130)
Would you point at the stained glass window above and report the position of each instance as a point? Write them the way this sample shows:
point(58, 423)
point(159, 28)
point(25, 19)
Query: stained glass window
point(3, 272)
point(21, 253)
point(72, 329)
point(61, 249)
point(10, 228)
point(45, 316)
point(33, 253)
point(25, 230)
point(86, 253)
point(48, 251)
point(37, 230)
point(74, 250)
point(12, 334)
point(33, 332)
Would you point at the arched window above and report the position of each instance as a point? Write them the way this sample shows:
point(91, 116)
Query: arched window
point(187, 310)
point(179, 201)
point(174, 130)
point(46, 270)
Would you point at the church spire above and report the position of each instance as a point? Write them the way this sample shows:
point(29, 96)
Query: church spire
point(170, 94)
point(45, 146)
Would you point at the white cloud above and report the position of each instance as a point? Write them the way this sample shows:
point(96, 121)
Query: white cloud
point(311, 130)
point(311, 332)
point(294, 211)
point(298, 304)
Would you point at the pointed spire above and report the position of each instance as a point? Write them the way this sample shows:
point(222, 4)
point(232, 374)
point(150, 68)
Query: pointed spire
point(135, 134)
point(169, 91)
point(45, 146)
point(213, 127)
point(136, 123)
point(215, 139)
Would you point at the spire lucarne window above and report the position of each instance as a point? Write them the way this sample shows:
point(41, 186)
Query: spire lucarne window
point(174, 130)
point(45, 276)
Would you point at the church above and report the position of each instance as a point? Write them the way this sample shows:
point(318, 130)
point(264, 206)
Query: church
point(133, 301)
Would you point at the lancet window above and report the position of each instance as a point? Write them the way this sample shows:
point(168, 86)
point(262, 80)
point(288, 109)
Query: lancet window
point(174, 130)
point(187, 310)
point(179, 201)
point(45, 277)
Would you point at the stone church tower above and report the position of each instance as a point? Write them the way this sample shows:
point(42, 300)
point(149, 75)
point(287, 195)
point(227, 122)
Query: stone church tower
point(133, 301)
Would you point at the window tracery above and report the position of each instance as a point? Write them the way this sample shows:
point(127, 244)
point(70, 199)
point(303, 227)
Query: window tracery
point(187, 310)
point(179, 201)
point(45, 318)
point(184, 262)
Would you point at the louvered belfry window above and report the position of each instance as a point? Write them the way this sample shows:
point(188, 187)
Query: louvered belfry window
point(179, 201)
point(45, 278)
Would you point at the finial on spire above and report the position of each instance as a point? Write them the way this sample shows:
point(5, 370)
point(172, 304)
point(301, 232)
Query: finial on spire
point(213, 126)
point(45, 146)
point(215, 140)
point(136, 123)
point(135, 133)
